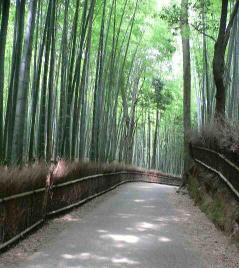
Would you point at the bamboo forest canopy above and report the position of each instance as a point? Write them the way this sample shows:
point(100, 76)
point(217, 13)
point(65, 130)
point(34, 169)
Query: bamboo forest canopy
point(103, 79)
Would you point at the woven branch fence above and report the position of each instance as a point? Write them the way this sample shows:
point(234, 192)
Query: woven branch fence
point(21, 213)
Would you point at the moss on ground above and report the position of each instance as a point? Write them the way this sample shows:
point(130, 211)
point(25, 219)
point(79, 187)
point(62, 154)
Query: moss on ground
point(193, 187)
point(215, 212)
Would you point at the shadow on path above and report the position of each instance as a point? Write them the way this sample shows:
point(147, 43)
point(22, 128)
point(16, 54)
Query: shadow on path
point(136, 226)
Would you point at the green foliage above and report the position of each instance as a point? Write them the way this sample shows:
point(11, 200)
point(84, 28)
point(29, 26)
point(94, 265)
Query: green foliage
point(163, 96)
point(172, 15)
point(126, 66)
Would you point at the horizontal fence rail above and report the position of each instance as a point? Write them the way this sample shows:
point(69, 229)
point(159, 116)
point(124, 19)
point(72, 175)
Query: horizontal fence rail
point(219, 164)
point(21, 213)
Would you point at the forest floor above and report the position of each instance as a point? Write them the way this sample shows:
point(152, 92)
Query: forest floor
point(136, 225)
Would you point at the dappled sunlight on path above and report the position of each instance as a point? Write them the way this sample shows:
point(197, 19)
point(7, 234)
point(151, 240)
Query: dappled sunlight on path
point(134, 226)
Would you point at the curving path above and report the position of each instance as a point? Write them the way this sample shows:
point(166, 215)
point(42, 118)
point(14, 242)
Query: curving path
point(134, 226)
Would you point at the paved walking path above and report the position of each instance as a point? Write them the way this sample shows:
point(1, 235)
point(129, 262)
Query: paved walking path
point(134, 226)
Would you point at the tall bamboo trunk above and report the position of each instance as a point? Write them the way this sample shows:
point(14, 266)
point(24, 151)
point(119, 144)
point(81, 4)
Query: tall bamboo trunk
point(22, 90)
point(186, 82)
point(153, 162)
point(3, 35)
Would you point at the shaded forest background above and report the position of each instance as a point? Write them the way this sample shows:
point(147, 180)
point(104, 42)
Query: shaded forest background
point(102, 80)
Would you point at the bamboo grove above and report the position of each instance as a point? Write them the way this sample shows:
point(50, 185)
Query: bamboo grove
point(209, 31)
point(109, 80)
point(203, 48)
point(77, 82)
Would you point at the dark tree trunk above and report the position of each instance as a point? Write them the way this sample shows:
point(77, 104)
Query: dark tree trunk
point(64, 133)
point(51, 85)
point(185, 31)
point(36, 84)
point(153, 163)
point(94, 149)
point(64, 63)
point(219, 58)
point(3, 35)
point(43, 103)
point(22, 90)
point(12, 95)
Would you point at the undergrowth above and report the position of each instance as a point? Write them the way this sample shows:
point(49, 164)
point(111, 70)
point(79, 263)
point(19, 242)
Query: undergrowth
point(14, 180)
point(218, 136)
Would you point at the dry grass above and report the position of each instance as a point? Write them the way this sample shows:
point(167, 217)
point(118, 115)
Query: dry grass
point(65, 170)
point(218, 136)
point(18, 180)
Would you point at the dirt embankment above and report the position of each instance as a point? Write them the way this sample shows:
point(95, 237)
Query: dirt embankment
point(216, 200)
